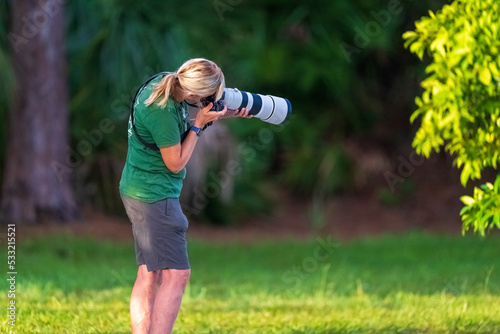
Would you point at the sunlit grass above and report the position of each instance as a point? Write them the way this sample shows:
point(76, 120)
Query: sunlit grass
point(396, 284)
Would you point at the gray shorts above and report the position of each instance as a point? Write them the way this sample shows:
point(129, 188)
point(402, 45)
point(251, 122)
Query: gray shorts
point(159, 233)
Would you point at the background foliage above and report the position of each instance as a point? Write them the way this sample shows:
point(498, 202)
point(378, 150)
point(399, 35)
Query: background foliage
point(290, 49)
point(460, 107)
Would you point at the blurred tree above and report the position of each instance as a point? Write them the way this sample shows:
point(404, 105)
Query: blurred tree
point(460, 107)
point(34, 185)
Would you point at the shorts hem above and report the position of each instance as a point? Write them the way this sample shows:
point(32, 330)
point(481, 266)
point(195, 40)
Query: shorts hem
point(164, 266)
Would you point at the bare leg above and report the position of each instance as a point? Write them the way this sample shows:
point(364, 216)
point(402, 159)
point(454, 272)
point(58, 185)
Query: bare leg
point(168, 300)
point(142, 299)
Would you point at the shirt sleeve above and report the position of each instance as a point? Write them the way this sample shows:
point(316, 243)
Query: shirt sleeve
point(164, 127)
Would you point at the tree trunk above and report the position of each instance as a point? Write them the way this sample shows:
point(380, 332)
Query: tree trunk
point(33, 188)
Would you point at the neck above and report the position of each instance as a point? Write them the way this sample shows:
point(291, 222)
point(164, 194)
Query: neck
point(178, 94)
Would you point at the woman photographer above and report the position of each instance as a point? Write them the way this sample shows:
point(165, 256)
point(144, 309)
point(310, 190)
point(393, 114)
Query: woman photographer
point(152, 181)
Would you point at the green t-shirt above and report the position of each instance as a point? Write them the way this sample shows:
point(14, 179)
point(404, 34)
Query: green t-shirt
point(145, 176)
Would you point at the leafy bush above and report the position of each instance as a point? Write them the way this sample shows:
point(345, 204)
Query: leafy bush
point(481, 210)
point(460, 107)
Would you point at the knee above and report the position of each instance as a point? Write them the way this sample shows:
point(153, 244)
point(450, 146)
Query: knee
point(179, 278)
point(185, 275)
point(148, 278)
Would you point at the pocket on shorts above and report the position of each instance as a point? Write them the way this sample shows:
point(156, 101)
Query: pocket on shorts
point(168, 207)
point(175, 216)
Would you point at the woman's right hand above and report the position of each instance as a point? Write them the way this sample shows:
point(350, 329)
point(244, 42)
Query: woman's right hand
point(205, 115)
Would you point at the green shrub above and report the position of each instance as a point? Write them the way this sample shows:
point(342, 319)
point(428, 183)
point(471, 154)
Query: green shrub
point(460, 107)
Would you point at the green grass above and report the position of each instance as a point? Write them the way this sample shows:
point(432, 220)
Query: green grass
point(411, 283)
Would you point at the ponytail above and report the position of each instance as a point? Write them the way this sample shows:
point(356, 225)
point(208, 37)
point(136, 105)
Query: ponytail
point(162, 88)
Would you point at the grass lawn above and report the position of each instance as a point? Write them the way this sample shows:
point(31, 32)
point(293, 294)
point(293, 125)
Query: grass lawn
point(412, 283)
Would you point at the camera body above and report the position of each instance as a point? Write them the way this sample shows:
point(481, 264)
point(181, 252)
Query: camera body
point(268, 108)
point(217, 105)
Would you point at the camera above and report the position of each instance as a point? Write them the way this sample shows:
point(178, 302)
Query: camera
point(217, 105)
point(268, 108)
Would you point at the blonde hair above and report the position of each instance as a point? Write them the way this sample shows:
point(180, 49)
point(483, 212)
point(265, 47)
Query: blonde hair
point(199, 76)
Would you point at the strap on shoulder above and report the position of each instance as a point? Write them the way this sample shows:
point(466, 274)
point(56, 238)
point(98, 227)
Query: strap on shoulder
point(151, 146)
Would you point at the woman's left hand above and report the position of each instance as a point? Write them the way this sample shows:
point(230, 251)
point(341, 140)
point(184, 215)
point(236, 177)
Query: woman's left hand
point(243, 112)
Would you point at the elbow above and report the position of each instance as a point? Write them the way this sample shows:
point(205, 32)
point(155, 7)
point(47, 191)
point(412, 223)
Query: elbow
point(174, 162)
point(175, 168)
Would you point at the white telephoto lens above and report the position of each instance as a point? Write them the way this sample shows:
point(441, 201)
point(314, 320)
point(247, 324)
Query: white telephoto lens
point(280, 111)
point(232, 98)
point(249, 101)
point(267, 107)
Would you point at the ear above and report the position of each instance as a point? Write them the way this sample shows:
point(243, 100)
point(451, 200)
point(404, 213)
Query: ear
point(191, 96)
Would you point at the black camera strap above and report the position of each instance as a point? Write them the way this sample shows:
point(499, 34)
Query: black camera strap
point(151, 146)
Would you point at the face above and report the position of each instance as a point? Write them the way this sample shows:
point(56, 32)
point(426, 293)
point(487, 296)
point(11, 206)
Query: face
point(192, 98)
point(198, 100)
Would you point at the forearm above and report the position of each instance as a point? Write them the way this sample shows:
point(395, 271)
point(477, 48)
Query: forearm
point(187, 149)
point(176, 157)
